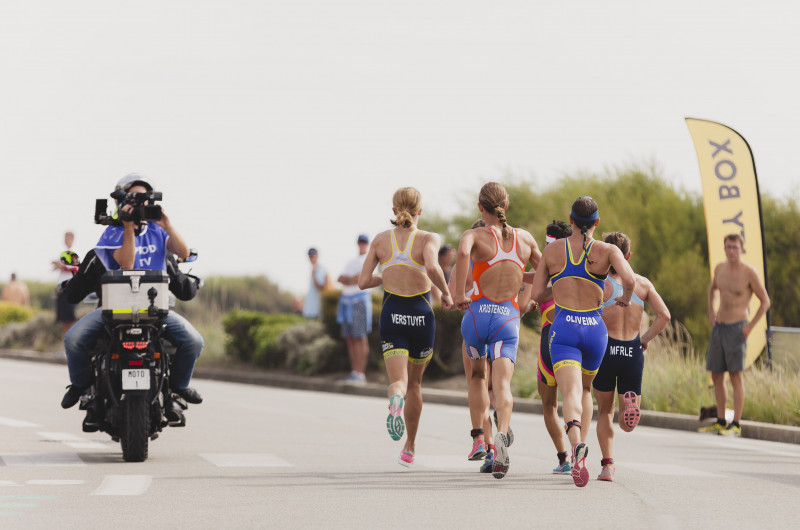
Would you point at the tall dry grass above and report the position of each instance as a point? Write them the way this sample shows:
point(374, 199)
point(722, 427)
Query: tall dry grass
point(675, 380)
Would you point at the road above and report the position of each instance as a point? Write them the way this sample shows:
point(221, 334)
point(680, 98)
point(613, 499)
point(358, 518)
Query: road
point(262, 457)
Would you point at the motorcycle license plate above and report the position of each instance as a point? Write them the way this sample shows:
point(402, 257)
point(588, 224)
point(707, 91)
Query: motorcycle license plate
point(136, 379)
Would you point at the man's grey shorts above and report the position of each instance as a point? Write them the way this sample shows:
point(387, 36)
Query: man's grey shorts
point(727, 348)
point(358, 327)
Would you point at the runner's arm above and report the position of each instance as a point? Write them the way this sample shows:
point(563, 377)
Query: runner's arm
point(430, 253)
point(656, 303)
point(462, 268)
point(627, 279)
point(366, 279)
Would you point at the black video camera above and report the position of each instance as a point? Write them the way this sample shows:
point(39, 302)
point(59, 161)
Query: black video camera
point(142, 212)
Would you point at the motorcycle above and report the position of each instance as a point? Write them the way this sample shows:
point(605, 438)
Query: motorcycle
point(130, 397)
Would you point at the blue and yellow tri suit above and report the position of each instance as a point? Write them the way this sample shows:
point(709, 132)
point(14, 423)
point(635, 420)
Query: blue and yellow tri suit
point(407, 323)
point(578, 337)
point(489, 326)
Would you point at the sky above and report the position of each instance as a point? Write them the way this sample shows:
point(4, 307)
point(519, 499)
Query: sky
point(271, 127)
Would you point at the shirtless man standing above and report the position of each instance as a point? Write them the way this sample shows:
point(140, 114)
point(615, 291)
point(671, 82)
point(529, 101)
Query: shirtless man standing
point(736, 283)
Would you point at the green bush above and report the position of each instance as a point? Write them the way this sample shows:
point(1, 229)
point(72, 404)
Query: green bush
point(253, 336)
point(240, 342)
point(265, 336)
point(309, 350)
point(40, 332)
point(14, 313)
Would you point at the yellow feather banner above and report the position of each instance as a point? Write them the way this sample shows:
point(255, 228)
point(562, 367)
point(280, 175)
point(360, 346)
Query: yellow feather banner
point(732, 206)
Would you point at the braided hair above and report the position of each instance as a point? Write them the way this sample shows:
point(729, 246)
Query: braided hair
point(494, 199)
point(584, 214)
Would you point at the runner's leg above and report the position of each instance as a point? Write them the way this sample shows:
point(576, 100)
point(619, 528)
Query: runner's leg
point(413, 407)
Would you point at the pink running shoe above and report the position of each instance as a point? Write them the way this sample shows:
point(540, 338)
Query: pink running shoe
point(607, 474)
point(406, 459)
point(478, 451)
point(631, 413)
point(580, 474)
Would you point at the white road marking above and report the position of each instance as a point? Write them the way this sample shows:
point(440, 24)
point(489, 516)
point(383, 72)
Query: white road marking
point(669, 470)
point(8, 483)
point(54, 482)
point(90, 445)
point(11, 422)
point(245, 460)
point(123, 485)
point(42, 459)
point(59, 437)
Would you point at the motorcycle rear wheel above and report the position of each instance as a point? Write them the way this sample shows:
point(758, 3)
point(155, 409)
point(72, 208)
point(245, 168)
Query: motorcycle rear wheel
point(135, 431)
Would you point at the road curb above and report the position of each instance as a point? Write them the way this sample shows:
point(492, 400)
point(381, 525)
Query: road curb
point(649, 418)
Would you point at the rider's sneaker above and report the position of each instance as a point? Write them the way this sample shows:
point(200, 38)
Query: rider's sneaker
point(580, 474)
point(478, 451)
point(501, 459)
point(731, 430)
point(394, 422)
point(72, 396)
point(631, 414)
point(406, 458)
point(510, 434)
point(189, 394)
point(488, 462)
point(714, 428)
point(563, 469)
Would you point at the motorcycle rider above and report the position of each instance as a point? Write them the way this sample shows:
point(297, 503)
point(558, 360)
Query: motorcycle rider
point(133, 245)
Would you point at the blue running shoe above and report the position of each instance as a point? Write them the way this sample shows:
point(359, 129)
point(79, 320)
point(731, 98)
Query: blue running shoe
point(563, 469)
point(488, 461)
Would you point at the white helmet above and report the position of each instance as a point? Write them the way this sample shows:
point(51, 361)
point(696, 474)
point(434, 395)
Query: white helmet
point(129, 180)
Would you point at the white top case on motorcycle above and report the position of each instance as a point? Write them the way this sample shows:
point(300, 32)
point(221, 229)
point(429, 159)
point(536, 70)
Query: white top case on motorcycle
point(135, 295)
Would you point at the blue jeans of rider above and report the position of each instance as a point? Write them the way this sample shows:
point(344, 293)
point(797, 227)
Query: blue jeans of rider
point(179, 331)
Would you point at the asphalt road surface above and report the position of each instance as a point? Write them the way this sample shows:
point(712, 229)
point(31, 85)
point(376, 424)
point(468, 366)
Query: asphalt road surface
point(262, 457)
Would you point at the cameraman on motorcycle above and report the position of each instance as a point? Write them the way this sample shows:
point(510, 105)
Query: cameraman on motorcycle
point(133, 245)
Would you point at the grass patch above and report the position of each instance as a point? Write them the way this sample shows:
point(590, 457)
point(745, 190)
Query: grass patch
point(675, 380)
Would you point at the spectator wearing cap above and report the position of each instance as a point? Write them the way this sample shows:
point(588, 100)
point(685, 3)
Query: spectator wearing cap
point(447, 257)
point(312, 305)
point(355, 314)
point(66, 265)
